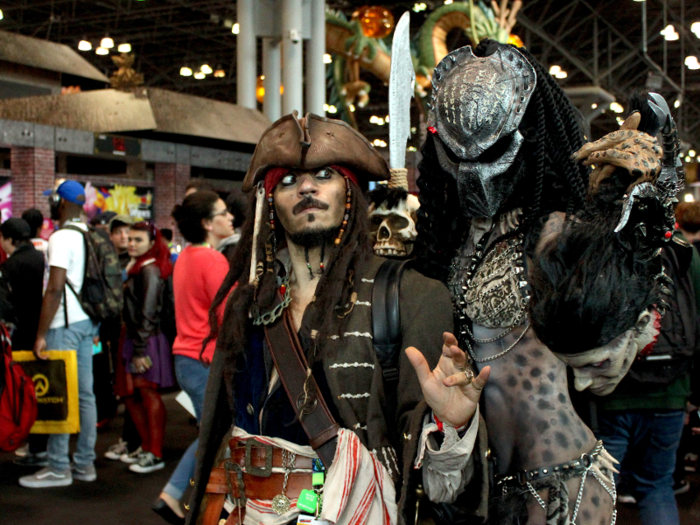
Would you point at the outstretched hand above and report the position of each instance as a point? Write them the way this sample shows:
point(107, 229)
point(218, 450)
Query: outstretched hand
point(449, 391)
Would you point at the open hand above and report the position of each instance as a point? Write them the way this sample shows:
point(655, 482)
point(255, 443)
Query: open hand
point(450, 389)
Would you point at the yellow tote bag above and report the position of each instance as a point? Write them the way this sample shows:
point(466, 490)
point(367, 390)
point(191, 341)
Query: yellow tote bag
point(56, 387)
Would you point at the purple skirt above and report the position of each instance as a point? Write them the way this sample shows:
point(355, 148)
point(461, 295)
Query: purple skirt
point(158, 349)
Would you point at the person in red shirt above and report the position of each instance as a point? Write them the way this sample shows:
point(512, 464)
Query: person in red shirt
point(203, 220)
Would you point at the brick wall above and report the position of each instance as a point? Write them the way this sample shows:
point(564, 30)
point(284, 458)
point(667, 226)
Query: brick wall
point(33, 171)
point(169, 181)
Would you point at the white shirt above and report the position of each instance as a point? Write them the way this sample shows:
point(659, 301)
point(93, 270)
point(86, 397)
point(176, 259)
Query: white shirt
point(67, 251)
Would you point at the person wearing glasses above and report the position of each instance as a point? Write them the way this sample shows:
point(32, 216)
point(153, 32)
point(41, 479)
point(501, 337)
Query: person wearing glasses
point(203, 220)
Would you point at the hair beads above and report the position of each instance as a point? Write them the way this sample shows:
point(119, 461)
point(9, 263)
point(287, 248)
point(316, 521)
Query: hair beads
point(348, 205)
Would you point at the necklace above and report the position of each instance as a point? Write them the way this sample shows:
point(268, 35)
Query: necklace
point(500, 354)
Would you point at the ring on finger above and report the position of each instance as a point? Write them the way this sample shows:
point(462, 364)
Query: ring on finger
point(468, 374)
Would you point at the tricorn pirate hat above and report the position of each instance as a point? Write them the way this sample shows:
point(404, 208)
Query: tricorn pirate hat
point(314, 142)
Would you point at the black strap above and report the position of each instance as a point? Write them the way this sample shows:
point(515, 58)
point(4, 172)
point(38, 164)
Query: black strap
point(77, 296)
point(386, 327)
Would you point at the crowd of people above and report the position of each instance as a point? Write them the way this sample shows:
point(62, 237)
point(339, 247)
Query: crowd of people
point(545, 330)
point(149, 346)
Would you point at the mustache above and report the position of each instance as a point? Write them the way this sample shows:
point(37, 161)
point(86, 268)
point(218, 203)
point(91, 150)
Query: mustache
point(308, 202)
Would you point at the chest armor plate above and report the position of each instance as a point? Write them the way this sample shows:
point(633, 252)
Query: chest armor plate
point(496, 296)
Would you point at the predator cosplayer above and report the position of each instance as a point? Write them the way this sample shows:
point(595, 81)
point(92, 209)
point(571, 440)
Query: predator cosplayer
point(505, 199)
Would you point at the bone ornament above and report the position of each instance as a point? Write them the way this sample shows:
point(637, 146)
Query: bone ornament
point(393, 229)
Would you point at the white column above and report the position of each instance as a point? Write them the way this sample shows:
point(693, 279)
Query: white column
point(315, 68)
point(272, 70)
point(246, 60)
point(292, 57)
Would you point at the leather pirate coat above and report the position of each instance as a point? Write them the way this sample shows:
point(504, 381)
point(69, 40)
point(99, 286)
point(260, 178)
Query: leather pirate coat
point(354, 381)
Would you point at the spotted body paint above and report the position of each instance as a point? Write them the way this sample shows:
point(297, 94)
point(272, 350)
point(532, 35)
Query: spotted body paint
point(529, 416)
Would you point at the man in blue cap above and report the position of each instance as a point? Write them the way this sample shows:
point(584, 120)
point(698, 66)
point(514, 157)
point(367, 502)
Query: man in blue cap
point(63, 324)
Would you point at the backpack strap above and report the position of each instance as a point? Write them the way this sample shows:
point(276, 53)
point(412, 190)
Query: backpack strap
point(386, 326)
point(77, 296)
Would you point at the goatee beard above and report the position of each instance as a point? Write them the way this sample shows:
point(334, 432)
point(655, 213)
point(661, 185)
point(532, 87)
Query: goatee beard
point(313, 238)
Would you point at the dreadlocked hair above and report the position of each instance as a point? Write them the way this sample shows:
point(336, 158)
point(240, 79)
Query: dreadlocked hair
point(333, 293)
point(552, 132)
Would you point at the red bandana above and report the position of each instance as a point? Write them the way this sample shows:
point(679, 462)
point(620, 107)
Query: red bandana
point(274, 176)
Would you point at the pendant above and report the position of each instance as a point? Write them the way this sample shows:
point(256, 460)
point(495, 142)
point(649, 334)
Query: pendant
point(280, 504)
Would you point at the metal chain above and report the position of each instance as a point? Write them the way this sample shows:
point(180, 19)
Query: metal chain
point(288, 460)
point(500, 354)
point(536, 496)
point(579, 497)
point(276, 312)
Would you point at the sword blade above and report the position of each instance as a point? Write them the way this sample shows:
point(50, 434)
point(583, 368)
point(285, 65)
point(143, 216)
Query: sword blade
point(401, 88)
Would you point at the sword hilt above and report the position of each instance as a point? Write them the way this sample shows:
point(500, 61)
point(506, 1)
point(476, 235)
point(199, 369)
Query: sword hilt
point(399, 178)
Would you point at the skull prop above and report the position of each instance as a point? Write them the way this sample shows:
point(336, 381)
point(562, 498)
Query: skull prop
point(393, 224)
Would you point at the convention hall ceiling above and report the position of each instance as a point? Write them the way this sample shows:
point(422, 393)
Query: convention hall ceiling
point(597, 42)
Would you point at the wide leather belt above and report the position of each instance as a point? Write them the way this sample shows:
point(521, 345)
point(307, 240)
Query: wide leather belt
point(251, 453)
point(255, 486)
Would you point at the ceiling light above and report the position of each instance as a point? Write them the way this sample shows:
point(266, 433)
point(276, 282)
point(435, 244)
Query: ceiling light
point(688, 197)
point(616, 107)
point(413, 148)
point(695, 28)
point(327, 59)
point(691, 153)
point(1, 15)
point(219, 73)
point(199, 75)
point(107, 43)
point(206, 69)
point(185, 71)
point(379, 143)
point(373, 119)
point(102, 51)
point(417, 8)
point(124, 48)
point(687, 159)
point(669, 33)
point(332, 109)
point(236, 28)
point(678, 101)
point(447, 2)
point(562, 74)
point(554, 70)
point(351, 107)
point(84, 45)
point(594, 105)
point(691, 62)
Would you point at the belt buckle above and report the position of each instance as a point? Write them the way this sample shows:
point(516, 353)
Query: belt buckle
point(263, 472)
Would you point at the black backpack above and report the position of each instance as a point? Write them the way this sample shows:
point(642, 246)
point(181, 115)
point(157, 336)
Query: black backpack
point(672, 355)
point(102, 293)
